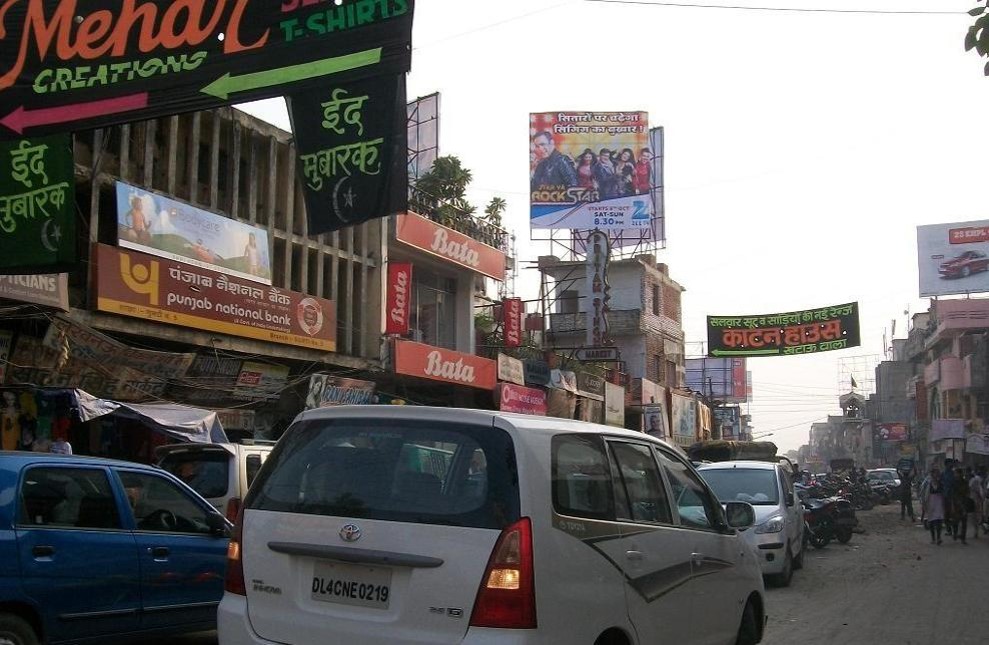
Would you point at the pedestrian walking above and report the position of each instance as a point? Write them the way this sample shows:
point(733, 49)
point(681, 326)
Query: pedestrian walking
point(947, 483)
point(935, 507)
point(924, 494)
point(977, 493)
point(906, 495)
point(960, 504)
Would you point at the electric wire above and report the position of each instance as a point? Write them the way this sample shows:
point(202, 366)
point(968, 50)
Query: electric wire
point(699, 5)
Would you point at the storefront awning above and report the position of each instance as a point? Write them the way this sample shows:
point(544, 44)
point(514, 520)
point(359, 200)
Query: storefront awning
point(181, 422)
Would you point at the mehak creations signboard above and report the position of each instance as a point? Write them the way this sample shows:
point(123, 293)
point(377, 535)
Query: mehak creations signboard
point(797, 332)
point(142, 286)
point(71, 65)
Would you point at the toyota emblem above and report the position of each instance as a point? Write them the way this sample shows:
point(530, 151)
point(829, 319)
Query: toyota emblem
point(350, 533)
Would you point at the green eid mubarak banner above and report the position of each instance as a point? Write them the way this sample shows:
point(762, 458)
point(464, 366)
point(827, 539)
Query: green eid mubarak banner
point(37, 205)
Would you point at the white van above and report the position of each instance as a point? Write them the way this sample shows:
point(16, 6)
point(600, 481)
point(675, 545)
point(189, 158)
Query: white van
point(220, 472)
point(397, 525)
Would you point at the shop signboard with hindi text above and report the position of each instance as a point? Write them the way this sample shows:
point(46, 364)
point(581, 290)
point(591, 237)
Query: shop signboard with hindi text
point(590, 386)
point(143, 286)
point(953, 258)
point(784, 334)
point(71, 66)
point(510, 370)
point(46, 289)
point(162, 226)
point(352, 150)
point(260, 381)
point(450, 245)
point(591, 170)
point(446, 365)
point(37, 203)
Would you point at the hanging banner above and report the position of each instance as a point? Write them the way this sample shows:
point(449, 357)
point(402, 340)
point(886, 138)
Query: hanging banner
point(37, 202)
point(70, 67)
point(141, 286)
point(591, 170)
point(511, 309)
point(614, 405)
point(893, 431)
point(521, 400)
point(47, 289)
point(155, 224)
point(327, 391)
point(352, 146)
point(596, 267)
point(399, 298)
point(796, 332)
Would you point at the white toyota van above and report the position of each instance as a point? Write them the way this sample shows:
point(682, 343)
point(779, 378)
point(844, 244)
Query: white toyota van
point(392, 525)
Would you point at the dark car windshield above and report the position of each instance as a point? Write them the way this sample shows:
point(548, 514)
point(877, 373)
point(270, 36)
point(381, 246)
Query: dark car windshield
point(400, 470)
point(755, 486)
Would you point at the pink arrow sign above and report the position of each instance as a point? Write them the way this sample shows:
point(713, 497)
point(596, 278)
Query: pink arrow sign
point(20, 119)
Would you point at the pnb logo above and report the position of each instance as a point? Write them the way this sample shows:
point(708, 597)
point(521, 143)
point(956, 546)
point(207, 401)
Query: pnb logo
point(140, 278)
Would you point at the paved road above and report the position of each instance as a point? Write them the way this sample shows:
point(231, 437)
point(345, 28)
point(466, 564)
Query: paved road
point(888, 585)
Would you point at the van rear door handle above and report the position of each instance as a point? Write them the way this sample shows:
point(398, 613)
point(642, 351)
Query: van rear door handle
point(634, 555)
point(697, 558)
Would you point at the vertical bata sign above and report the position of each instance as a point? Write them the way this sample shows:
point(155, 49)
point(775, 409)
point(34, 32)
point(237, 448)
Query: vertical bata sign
point(352, 147)
point(512, 311)
point(69, 65)
point(37, 204)
point(399, 301)
point(598, 252)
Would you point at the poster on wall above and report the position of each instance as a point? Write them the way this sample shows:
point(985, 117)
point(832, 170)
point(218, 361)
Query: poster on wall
point(953, 258)
point(590, 170)
point(162, 226)
point(614, 405)
point(352, 147)
point(128, 61)
point(654, 421)
point(37, 203)
point(684, 413)
point(784, 334)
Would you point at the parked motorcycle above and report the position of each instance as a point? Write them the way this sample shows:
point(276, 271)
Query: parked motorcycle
point(831, 518)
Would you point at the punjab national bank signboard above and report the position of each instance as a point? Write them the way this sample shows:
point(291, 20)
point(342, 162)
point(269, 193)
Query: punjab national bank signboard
point(786, 334)
point(143, 286)
point(591, 170)
point(71, 65)
point(953, 258)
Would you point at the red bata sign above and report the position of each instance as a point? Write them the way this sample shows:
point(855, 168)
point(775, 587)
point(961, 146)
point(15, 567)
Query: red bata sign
point(440, 241)
point(438, 364)
point(512, 310)
point(399, 298)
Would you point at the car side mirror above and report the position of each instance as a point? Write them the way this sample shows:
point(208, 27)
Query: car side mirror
point(218, 525)
point(741, 515)
point(789, 499)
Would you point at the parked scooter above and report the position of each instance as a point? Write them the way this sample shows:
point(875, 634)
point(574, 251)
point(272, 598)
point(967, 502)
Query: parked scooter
point(831, 518)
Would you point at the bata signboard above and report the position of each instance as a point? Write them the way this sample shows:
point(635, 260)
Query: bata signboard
point(796, 332)
point(399, 298)
point(143, 286)
point(447, 244)
point(439, 364)
point(71, 65)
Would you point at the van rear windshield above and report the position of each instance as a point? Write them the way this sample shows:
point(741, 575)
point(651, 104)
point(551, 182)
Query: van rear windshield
point(404, 471)
point(206, 471)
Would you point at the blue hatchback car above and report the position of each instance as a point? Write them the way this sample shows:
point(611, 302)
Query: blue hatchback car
point(96, 549)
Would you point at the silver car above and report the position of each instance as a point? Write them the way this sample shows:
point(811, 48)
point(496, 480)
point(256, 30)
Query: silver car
point(779, 527)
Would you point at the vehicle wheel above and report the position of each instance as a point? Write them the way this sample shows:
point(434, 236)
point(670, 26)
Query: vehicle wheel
point(15, 631)
point(966, 271)
point(798, 562)
point(844, 535)
point(819, 541)
point(783, 578)
point(748, 631)
point(612, 637)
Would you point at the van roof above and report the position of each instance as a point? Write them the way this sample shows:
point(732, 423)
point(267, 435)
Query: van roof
point(725, 465)
point(528, 422)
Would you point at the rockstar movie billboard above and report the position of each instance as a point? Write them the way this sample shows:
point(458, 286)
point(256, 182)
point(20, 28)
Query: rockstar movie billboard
point(796, 332)
point(591, 170)
point(953, 258)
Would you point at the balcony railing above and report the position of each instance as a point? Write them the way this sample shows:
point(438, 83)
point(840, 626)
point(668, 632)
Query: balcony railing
point(452, 216)
point(621, 322)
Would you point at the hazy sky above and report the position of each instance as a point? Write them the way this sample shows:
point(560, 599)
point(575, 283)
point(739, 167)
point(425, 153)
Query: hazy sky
point(802, 148)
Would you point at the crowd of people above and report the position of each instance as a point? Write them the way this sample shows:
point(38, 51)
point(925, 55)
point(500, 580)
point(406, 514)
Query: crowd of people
point(950, 498)
point(612, 173)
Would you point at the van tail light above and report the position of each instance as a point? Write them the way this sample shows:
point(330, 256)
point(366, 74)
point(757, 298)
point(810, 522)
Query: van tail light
point(234, 582)
point(233, 507)
point(507, 597)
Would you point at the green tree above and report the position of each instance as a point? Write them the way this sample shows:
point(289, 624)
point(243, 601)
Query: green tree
point(977, 37)
point(494, 210)
point(442, 192)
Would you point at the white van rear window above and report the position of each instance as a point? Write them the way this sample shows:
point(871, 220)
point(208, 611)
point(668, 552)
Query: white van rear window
point(428, 473)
